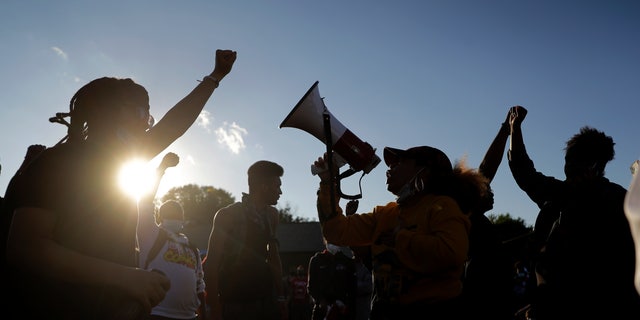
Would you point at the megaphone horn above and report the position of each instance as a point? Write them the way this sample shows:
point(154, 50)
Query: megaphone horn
point(308, 115)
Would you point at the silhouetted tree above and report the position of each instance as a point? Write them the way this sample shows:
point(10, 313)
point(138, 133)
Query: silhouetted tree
point(200, 203)
point(287, 216)
point(510, 227)
point(515, 235)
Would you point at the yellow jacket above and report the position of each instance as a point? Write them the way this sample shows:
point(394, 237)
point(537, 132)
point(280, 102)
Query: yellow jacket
point(430, 242)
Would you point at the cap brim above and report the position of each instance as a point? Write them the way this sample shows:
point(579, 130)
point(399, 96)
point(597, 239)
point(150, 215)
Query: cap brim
point(392, 155)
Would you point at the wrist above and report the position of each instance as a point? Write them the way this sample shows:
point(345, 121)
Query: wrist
point(218, 75)
point(505, 127)
point(211, 79)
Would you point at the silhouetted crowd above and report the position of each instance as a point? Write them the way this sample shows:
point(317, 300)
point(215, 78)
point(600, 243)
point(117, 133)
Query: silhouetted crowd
point(76, 247)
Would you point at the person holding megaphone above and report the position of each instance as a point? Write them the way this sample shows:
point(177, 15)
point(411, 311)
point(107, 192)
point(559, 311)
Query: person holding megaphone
point(418, 243)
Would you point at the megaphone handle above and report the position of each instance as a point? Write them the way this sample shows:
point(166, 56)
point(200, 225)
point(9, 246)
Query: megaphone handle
point(345, 174)
point(326, 119)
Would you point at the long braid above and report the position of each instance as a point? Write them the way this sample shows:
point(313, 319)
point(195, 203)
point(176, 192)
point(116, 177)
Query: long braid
point(78, 123)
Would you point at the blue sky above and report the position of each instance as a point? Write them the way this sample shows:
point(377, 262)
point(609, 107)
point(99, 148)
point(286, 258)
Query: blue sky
point(396, 73)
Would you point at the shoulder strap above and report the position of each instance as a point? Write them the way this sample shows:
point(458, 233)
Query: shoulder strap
point(193, 248)
point(157, 245)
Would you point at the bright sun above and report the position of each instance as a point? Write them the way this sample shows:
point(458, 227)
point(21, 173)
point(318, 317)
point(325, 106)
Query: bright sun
point(136, 178)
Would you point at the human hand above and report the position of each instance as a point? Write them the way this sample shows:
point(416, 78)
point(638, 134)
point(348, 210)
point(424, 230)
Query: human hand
point(224, 63)
point(34, 150)
point(170, 160)
point(516, 115)
point(145, 286)
point(321, 167)
point(351, 207)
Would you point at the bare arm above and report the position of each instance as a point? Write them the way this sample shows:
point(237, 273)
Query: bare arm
point(32, 231)
point(518, 114)
point(179, 118)
point(632, 212)
point(493, 156)
point(147, 229)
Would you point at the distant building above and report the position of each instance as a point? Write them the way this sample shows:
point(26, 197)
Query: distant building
point(298, 242)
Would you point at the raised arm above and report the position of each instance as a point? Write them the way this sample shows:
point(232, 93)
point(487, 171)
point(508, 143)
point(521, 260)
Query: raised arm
point(179, 118)
point(518, 114)
point(147, 230)
point(493, 156)
point(632, 211)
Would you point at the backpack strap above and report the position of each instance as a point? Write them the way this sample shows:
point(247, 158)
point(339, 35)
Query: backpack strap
point(162, 237)
point(157, 245)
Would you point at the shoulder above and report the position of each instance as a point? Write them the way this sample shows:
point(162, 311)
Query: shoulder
point(384, 208)
point(440, 203)
point(50, 160)
point(318, 255)
point(229, 220)
point(616, 188)
point(228, 213)
point(42, 175)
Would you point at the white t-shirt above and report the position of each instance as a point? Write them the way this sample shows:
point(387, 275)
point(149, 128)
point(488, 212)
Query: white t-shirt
point(178, 262)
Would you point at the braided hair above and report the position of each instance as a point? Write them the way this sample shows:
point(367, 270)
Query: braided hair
point(99, 100)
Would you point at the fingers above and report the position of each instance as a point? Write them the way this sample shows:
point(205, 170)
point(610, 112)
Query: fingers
point(224, 62)
point(226, 55)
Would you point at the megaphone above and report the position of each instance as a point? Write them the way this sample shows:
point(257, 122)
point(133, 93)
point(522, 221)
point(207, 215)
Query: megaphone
point(311, 115)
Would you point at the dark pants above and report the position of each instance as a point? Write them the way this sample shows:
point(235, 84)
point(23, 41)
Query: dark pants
point(448, 310)
point(264, 309)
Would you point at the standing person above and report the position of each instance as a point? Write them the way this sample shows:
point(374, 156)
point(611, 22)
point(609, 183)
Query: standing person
point(333, 283)
point(72, 242)
point(488, 290)
point(362, 259)
point(165, 248)
point(364, 282)
point(586, 266)
point(419, 242)
point(299, 300)
point(243, 271)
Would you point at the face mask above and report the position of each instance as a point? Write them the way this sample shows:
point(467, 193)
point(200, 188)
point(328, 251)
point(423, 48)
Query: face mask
point(409, 188)
point(174, 226)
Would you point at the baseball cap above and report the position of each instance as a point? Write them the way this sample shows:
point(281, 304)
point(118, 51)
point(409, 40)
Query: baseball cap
point(423, 155)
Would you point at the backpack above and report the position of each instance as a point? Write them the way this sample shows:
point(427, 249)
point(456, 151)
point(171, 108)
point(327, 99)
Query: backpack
point(163, 236)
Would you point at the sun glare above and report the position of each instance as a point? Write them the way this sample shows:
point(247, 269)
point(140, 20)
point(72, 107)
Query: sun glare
point(136, 178)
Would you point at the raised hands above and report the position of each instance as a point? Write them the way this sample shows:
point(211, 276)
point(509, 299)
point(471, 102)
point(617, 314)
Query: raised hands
point(516, 115)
